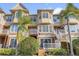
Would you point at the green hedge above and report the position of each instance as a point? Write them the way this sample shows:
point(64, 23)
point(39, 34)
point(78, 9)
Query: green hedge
point(7, 51)
point(57, 51)
point(77, 51)
point(75, 43)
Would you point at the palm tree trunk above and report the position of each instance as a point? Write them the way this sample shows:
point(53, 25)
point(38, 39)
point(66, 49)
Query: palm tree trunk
point(71, 47)
point(17, 43)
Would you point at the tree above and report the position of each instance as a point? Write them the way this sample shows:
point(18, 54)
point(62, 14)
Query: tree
point(28, 46)
point(75, 43)
point(76, 46)
point(23, 22)
point(64, 15)
point(69, 9)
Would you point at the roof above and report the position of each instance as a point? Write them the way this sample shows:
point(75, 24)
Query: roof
point(45, 10)
point(19, 6)
point(57, 11)
point(33, 14)
point(8, 14)
point(1, 11)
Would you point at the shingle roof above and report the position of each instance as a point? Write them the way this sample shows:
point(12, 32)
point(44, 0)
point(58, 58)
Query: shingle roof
point(19, 6)
point(44, 10)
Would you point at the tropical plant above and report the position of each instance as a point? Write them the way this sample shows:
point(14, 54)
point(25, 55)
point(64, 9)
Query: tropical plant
point(23, 22)
point(75, 43)
point(69, 10)
point(76, 50)
point(76, 46)
point(28, 46)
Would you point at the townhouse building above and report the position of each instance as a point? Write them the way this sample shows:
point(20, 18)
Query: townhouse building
point(46, 27)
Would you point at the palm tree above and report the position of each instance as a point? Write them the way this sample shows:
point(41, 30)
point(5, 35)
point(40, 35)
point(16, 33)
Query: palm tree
point(69, 9)
point(23, 22)
point(65, 13)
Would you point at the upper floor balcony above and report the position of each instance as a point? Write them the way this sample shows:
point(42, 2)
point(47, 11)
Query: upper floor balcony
point(4, 32)
point(45, 20)
point(33, 31)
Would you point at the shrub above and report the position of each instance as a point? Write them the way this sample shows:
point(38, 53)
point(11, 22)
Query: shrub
point(7, 51)
point(77, 51)
point(28, 46)
point(57, 51)
point(75, 43)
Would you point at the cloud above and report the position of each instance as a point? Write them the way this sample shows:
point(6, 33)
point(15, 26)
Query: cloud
point(57, 10)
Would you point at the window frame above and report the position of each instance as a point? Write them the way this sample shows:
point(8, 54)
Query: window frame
point(42, 28)
point(56, 19)
point(14, 28)
point(73, 28)
point(13, 42)
point(45, 15)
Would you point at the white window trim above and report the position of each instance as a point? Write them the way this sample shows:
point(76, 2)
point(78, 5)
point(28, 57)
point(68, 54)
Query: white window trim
point(42, 29)
point(11, 29)
point(43, 13)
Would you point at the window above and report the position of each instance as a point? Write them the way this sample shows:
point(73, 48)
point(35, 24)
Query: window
point(13, 28)
point(33, 19)
point(72, 28)
point(47, 40)
point(13, 42)
point(56, 19)
point(44, 42)
point(72, 17)
point(45, 15)
point(50, 29)
point(39, 16)
point(45, 28)
point(9, 18)
point(17, 14)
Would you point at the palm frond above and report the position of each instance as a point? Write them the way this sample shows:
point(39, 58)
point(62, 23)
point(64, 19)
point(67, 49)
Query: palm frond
point(69, 10)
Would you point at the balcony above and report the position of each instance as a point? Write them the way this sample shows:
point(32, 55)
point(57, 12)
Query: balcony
point(73, 34)
point(45, 21)
point(51, 45)
point(7, 24)
point(33, 31)
point(4, 32)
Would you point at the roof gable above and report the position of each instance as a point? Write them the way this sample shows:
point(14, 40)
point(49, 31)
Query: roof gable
point(19, 6)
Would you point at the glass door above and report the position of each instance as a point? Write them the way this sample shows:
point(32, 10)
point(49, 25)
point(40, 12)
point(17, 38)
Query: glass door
point(45, 43)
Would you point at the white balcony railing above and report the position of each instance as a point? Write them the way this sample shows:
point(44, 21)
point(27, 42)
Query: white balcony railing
point(33, 31)
point(51, 45)
point(5, 31)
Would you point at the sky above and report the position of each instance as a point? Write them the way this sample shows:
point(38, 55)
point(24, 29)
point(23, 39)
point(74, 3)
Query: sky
point(33, 7)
